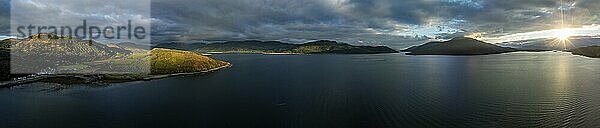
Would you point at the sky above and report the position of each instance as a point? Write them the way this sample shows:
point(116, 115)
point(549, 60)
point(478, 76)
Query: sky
point(371, 22)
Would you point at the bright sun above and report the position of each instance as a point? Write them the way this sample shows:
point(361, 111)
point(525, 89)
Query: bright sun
point(563, 34)
point(562, 37)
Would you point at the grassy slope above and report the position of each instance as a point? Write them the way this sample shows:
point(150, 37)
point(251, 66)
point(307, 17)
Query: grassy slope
point(161, 62)
point(167, 61)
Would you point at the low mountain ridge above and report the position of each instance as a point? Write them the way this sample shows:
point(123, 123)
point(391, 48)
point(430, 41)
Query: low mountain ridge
point(254, 46)
point(458, 46)
point(251, 46)
point(181, 46)
point(326, 46)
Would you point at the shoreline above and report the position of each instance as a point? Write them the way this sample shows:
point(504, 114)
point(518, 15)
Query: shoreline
point(153, 77)
point(73, 79)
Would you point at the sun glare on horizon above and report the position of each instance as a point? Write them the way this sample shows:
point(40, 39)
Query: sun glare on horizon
point(563, 34)
point(562, 37)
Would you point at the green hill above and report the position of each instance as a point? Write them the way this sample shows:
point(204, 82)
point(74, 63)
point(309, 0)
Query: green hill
point(253, 46)
point(457, 46)
point(167, 61)
point(160, 63)
point(591, 51)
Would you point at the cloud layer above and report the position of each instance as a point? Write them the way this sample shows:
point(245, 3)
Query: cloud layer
point(392, 22)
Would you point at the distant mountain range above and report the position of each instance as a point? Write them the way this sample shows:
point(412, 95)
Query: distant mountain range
point(552, 44)
point(253, 46)
point(458, 46)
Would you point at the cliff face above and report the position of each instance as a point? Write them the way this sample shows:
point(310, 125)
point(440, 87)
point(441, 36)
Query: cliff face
point(458, 46)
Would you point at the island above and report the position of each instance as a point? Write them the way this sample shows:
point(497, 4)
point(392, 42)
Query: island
point(276, 47)
point(590, 51)
point(458, 46)
point(76, 61)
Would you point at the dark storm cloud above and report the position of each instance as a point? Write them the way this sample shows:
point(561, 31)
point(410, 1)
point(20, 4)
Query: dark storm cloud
point(223, 19)
point(271, 19)
point(200, 20)
point(310, 19)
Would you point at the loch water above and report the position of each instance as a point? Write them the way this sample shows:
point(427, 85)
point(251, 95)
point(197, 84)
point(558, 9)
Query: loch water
point(522, 89)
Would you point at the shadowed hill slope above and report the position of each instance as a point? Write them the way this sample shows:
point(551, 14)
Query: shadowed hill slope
point(591, 51)
point(458, 46)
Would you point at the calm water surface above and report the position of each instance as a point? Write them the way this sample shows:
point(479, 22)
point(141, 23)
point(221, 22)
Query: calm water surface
point(308, 91)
